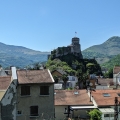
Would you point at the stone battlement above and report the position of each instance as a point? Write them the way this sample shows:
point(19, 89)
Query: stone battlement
point(73, 48)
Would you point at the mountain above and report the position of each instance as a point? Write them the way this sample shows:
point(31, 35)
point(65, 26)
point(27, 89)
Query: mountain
point(19, 56)
point(105, 51)
point(115, 61)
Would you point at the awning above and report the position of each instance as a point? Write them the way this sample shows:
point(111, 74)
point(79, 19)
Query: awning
point(107, 110)
point(83, 107)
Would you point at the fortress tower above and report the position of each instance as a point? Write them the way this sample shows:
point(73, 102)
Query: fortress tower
point(76, 45)
point(73, 48)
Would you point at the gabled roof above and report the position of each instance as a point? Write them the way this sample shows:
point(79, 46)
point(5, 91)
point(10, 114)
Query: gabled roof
point(2, 73)
point(72, 97)
point(4, 82)
point(60, 71)
point(116, 69)
point(109, 100)
point(34, 76)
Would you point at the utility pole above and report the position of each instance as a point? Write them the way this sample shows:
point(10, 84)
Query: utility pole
point(116, 109)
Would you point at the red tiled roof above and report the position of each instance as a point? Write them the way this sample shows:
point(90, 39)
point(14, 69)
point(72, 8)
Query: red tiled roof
point(4, 82)
point(103, 81)
point(105, 101)
point(34, 76)
point(67, 97)
point(116, 69)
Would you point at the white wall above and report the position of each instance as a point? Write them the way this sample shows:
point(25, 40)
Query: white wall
point(59, 112)
point(116, 78)
point(100, 87)
point(73, 80)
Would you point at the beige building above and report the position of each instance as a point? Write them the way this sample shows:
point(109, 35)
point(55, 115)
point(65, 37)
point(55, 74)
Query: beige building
point(72, 104)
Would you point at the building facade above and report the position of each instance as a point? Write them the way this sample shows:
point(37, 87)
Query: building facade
point(29, 96)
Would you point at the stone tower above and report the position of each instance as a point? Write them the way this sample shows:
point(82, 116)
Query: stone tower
point(76, 46)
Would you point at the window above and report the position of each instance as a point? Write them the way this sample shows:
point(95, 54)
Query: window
point(44, 90)
point(112, 115)
point(19, 112)
point(34, 111)
point(25, 90)
point(106, 115)
point(106, 94)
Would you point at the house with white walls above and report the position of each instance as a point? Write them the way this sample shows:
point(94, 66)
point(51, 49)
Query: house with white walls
point(116, 76)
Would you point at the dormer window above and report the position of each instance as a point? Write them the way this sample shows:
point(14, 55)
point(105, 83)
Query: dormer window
point(106, 94)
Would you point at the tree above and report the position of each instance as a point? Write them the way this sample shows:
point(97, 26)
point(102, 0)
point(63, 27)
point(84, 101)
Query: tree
point(56, 78)
point(95, 114)
point(109, 74)
point(65, 79)
point(82, 77)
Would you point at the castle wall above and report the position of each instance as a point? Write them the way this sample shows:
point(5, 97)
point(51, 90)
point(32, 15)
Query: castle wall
point(74, 48)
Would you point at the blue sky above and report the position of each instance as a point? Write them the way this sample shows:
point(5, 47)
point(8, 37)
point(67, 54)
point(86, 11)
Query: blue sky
point(44, 25)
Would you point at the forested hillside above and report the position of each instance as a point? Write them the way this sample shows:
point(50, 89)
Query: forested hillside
point(19, 56)
point(105, 51)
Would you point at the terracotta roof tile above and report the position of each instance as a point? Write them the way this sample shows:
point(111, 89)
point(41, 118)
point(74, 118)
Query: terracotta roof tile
point(34, 76)
point(116, 69)
point(105, 101)
point(4, 82)
point(103, 81)
point(67, 97)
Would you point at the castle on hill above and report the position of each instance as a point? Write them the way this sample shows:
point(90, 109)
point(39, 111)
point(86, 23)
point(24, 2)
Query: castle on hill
point(73, 48)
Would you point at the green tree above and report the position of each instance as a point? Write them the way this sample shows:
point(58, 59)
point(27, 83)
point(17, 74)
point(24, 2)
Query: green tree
point(82, 77)
point(65, 79)
point(56, 78)
point(109, 74)
point(95, 114)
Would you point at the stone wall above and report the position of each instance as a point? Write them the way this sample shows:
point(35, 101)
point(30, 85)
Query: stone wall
point(8, 103)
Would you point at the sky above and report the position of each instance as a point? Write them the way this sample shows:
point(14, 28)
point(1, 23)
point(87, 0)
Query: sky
point(44, 25)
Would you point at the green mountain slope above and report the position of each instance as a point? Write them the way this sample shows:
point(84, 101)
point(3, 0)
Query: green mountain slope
point(11, 55)
point(105, 51)
point(112, 62)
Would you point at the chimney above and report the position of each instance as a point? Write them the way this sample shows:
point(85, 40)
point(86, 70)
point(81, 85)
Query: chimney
point(14, 74)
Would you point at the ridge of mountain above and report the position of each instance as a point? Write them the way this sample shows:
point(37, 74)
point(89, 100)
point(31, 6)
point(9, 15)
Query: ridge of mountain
point(19, 56)
point(11, 55)
point(105, 51)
